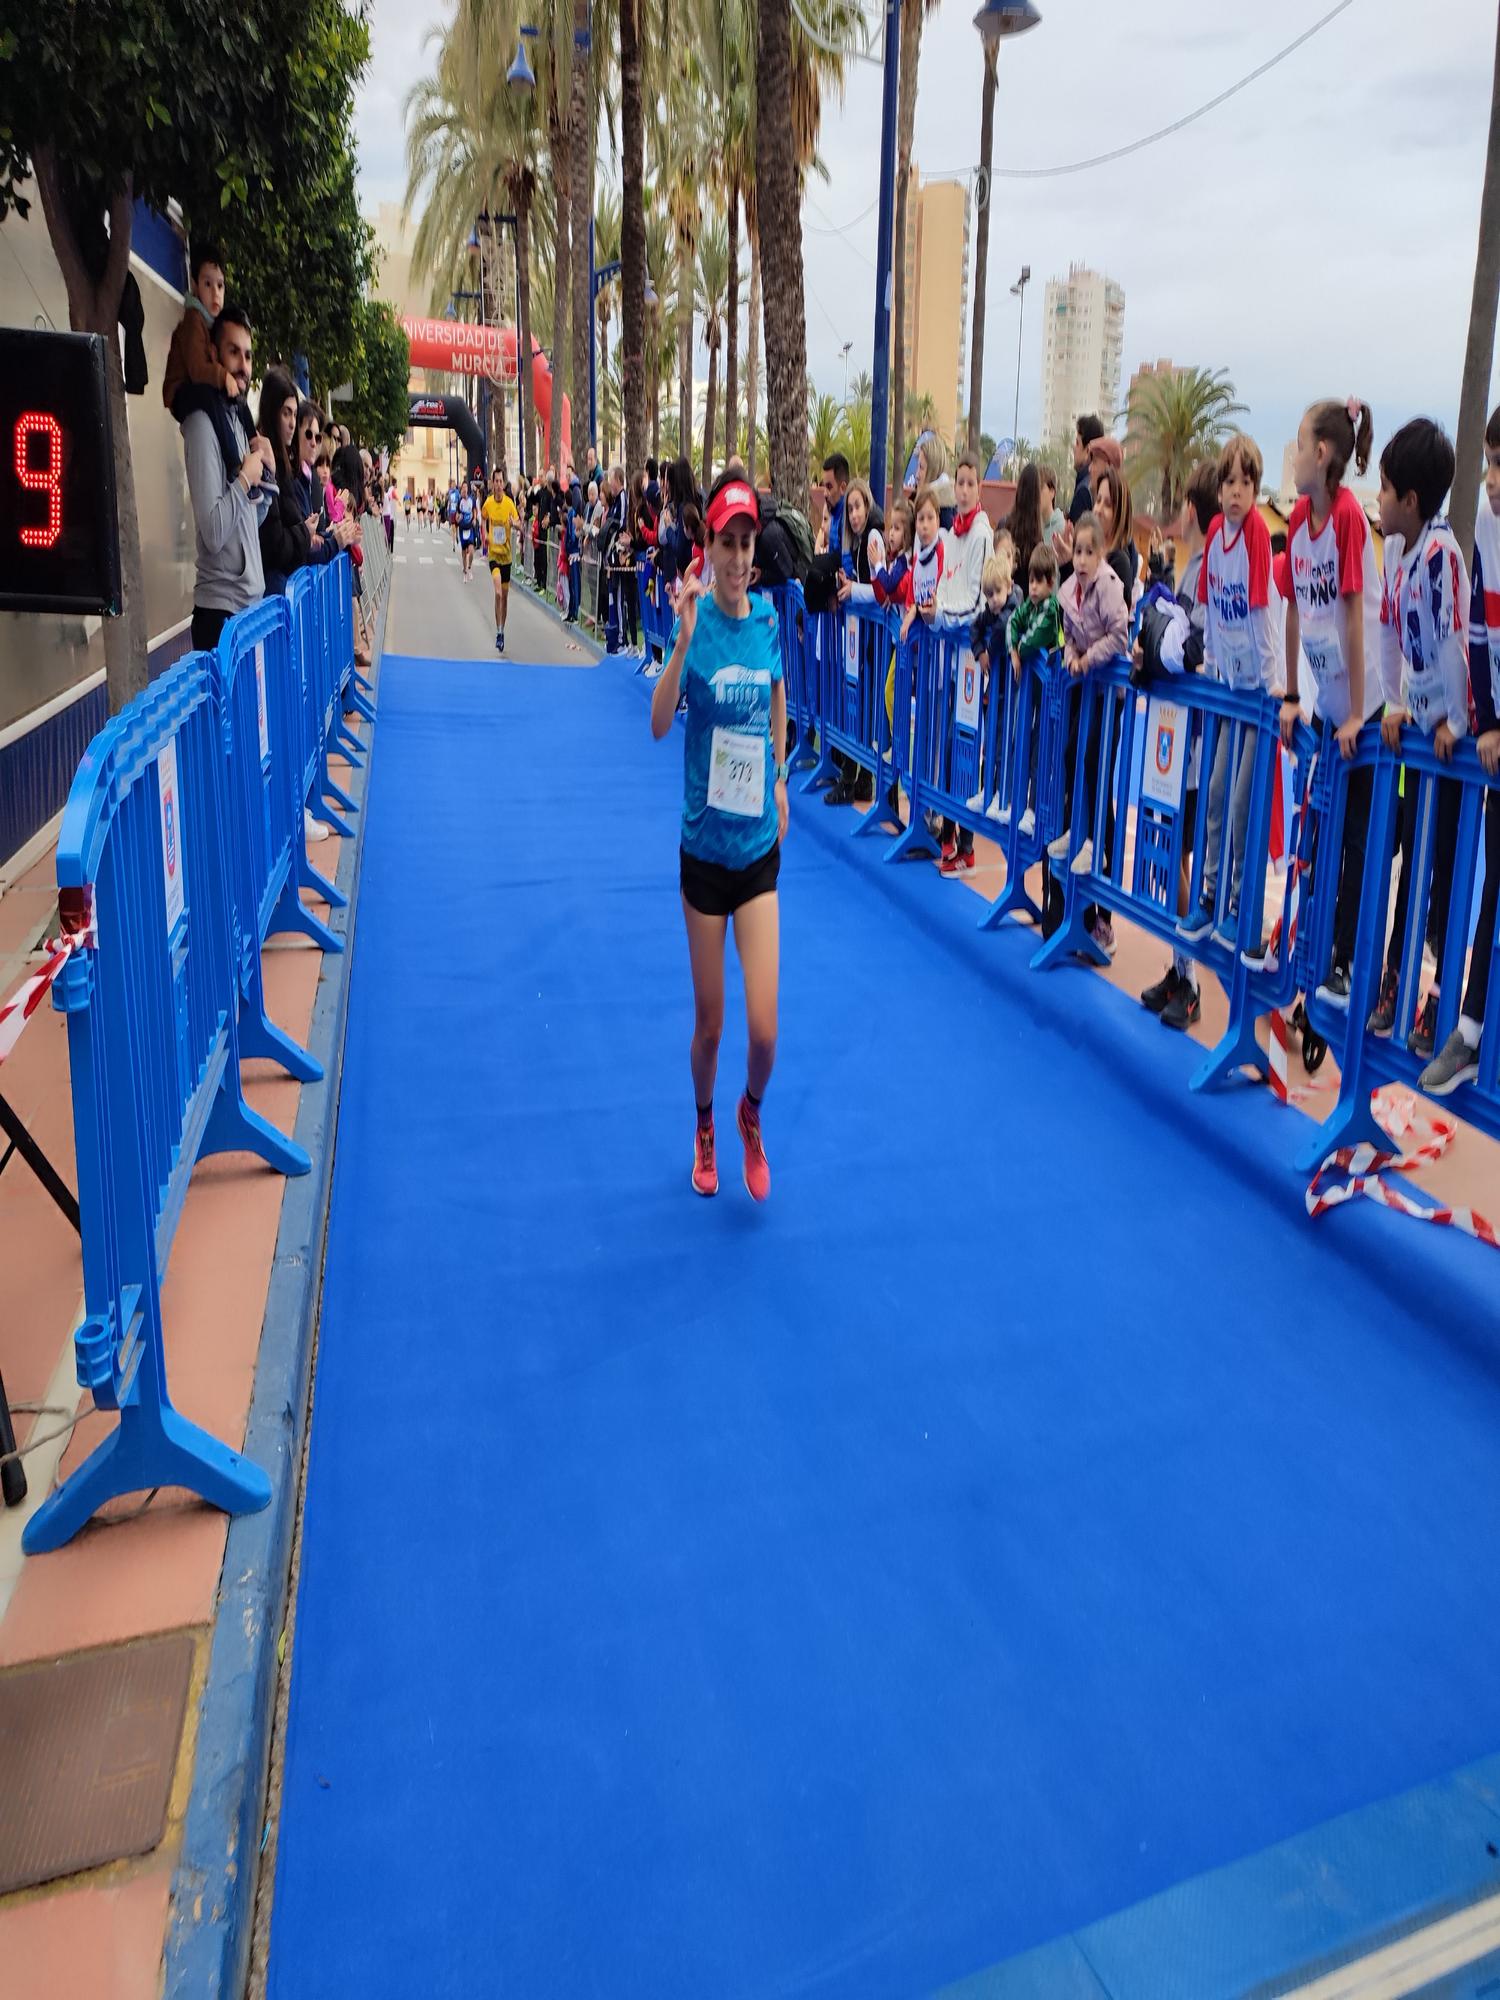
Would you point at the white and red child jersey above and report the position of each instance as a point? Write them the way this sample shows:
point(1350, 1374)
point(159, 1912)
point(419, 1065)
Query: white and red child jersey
point(1484, 613)
point(920, 584)
point(1234, 586)
point(1424, 660)
point(1337, 562)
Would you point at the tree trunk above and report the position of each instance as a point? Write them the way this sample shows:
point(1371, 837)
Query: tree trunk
point(732, 355)
point(752, 351)
point(710, 412)
point(524, 378)
point(632, 239)
point(94, 307)
point(684, 350)
point(583, 209)
point(562, 268)
point(982, 250)
point(1480, 351)
point(906, 118)
point(606, 456)
point(781, 248)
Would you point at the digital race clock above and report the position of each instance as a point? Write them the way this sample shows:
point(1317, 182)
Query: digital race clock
point(59, 545)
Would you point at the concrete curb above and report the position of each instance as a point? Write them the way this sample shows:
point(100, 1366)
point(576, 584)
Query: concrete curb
point(213, 1887)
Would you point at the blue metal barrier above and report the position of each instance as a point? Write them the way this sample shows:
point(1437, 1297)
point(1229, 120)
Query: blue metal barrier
point(259, 687)
point(1153, 728)
point(655, 613)
point(957, 761)
point(1367, 1060)
point(153, 1045)
point(303, 602)
point(1031, 778)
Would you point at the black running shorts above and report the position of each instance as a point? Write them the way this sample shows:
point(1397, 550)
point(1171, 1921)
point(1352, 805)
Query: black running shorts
point(500, 569)
point(718, 892)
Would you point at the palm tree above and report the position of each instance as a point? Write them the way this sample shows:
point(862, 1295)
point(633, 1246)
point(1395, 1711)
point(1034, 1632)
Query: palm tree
point(921, 415)
point(470, 147)
point(1175, 419)
point(982, 247)
point(752, 334)
point(1480, 348)
point(581, 149)
point(913, 15)
point(726, 34)
point(825, 428)
point(633, 329)
point(863, 390)
point(713, 284)
point(606, 251)
point(659, 351)
point(856, 438)
point(685, 206)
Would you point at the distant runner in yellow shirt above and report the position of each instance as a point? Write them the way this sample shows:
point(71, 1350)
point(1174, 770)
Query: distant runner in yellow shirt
point(500, 519)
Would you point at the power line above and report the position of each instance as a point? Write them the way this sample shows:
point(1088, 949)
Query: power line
point(1190, 118)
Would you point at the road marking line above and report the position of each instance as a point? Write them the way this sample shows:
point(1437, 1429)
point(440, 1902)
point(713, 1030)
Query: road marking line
point(1414, 1960)
point(426, 561)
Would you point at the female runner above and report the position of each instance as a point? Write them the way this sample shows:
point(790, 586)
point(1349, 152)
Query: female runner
point(725, 666)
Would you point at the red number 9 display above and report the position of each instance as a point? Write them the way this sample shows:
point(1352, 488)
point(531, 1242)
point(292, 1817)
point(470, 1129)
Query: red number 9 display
point(41, 479)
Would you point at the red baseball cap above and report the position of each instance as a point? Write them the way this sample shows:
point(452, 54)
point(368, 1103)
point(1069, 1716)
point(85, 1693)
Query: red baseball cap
point(736, 497)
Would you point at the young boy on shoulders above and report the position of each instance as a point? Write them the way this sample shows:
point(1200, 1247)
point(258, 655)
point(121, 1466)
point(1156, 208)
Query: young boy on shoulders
point(191, 356)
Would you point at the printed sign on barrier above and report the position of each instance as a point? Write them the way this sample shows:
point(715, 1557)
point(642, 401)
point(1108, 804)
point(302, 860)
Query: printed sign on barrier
point(851, 649)
point(171, 833)
point(260, 703)
point(970, 684)
point(1167, 730)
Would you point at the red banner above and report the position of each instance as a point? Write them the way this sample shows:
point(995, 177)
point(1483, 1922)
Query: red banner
point(459, 348)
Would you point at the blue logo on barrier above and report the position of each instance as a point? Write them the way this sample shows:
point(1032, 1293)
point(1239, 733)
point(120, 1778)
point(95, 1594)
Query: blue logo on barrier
point(1165, 735)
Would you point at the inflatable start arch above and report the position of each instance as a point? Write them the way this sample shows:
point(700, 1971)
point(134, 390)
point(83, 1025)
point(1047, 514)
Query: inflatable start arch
point(457, 348)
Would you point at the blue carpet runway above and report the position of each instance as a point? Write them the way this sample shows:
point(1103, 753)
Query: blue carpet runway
point(1023, 1512)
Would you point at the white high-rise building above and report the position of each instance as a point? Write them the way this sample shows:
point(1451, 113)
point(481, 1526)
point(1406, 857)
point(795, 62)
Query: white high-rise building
point(1083, 341)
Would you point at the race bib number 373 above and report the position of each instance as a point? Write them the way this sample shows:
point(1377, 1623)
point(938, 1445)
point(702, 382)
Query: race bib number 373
point(737, 773)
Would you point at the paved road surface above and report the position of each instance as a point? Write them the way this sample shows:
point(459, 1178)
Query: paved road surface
point(434, 612)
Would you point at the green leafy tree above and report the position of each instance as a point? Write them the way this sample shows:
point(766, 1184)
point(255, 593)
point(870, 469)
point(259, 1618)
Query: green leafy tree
point(379, 414)
point(1174, 420)
point(825, 430)
point(124, 99)
point(856, 435)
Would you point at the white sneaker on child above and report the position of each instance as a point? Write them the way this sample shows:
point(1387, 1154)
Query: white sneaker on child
point(313, 829)
point(976, 803)
point(992, 811)
point(1028, 824)
point(1083, 860)
point(1057, 850)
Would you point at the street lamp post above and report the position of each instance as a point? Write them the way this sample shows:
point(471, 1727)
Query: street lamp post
point(880, 404)
point(844, 350)
point(995, 20)
point(1018, 291)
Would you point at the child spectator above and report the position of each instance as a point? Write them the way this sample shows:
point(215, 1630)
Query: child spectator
point(989, 642)
point(1334, 614)
point(1234, 588)
point(1424, 672)
point(1095, 626)
point(919, 586)
point(1053, 516)
point(1174, 999)
point(191, 357)
point(971, 543)
point(1035, 632)
point(1457, 1061)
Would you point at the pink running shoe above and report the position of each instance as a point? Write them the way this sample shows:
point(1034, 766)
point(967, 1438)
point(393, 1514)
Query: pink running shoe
point(705, 1167)
point(757, 1169)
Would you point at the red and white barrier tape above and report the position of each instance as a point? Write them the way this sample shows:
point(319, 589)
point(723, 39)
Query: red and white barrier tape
point(1398, 1113)
point(28, 996)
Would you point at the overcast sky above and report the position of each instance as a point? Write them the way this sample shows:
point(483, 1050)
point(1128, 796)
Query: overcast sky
point(1314, 236)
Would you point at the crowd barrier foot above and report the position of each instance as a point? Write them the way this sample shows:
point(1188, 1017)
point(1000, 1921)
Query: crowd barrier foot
point(260, 1036)
point(234, 1128)
point(362, 702)
point(882, 817)
point(151, 1447)
point(333, 790)
point(824, 772)
point(344, 741)
point(326, 816)
point(913, 839)
point(364, 685)
point(1352, 1122)
point(1238, 1050)
point(307, 877)
point(292, 914)
point(1070, 939)
point(1013, 900)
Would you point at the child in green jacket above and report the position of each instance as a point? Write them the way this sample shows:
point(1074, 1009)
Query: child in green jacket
point(1035, 632)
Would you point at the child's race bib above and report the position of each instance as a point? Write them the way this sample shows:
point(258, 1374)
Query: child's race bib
point(737, 773)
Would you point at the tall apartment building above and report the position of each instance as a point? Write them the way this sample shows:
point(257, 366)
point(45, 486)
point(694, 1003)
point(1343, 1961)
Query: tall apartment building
point(1083, 340)
point(937, 296)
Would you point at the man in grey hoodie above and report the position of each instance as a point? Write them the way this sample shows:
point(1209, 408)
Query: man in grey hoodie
point(229, 576)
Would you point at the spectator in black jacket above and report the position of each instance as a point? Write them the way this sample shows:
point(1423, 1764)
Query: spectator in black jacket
point(1089, 428)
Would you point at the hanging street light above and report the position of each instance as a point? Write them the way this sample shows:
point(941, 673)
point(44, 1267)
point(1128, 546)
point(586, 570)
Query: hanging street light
point(520, 75)
point(995, 21)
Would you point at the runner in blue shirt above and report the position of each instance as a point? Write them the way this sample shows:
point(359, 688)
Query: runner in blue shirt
point(725, 668)
point(468, 529)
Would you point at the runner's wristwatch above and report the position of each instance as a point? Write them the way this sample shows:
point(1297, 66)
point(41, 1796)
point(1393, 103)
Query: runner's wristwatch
point(781, 771)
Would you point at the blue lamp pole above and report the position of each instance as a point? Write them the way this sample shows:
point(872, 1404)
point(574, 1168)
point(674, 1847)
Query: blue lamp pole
point(881, 372)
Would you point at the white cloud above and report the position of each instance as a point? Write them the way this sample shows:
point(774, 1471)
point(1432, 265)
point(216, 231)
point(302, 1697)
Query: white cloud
point(1314, 236)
